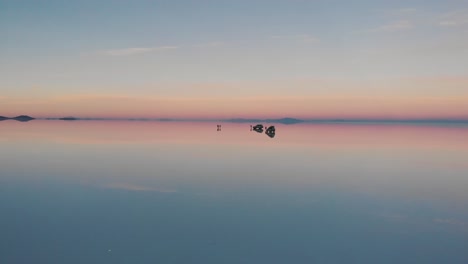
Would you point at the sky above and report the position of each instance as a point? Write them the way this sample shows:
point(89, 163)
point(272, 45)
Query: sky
point(229, 59)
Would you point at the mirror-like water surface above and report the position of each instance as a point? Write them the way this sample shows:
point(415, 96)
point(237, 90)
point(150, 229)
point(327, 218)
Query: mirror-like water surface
point(163, 192)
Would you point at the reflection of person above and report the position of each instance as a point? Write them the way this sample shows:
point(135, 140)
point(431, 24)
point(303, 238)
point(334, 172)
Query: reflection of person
point(270, 134)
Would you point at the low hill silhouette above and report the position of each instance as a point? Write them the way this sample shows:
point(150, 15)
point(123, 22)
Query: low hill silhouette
point(21, 118)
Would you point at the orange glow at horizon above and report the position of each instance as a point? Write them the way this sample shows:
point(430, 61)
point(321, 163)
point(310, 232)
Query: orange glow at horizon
point(240, 107)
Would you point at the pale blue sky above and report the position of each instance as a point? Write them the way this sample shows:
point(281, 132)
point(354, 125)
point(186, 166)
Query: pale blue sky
point(177, 48)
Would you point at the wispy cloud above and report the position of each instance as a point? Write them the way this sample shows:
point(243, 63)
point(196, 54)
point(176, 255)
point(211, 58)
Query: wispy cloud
point(455, 18)
point(407, 10)
point(401, 12)
point(394, 26)
point(142, 50)
point(212, 44)
point(298, 37)
point(400, 19)
point(135, 51)
point(406, 18)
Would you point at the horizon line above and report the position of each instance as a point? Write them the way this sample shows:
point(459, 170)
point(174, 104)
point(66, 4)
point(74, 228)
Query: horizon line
point(284, 120)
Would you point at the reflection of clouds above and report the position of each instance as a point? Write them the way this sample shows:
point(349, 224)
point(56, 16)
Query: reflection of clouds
point(424, 222)
point(133, 187)
point(452, 222)
point(394, 217)
point(442, 164)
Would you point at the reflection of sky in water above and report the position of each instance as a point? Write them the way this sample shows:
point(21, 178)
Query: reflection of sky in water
point(183, 192)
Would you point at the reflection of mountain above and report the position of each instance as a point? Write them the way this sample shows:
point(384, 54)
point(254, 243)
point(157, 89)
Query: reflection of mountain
point(21, 118)
point(270, 134)
point(68, 118)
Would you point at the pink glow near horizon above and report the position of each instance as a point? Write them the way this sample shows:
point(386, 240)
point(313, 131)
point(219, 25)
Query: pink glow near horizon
point(240, 107)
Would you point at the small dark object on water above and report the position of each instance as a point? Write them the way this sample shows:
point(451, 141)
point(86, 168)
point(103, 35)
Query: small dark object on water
point(271, 131)
point(257, 128)
point(271, 128)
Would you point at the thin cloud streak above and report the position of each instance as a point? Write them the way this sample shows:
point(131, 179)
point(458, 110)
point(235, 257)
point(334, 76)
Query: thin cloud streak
point(142, 50)
point(454, 19)
point(408, 10)
point(135, 51)
point(212, 44)
point(298, 37)
point(394, 26)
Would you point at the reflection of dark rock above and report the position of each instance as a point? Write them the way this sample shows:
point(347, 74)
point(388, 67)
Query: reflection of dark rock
point(3, 118)
point(23, 118)
point(271, 131)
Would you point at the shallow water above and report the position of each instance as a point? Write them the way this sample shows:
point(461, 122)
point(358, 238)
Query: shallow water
point(170, 192)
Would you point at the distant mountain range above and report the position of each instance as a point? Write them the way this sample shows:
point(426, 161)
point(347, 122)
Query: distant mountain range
point(287, 120)
point(69, 118)
point(21, 118)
